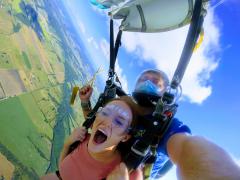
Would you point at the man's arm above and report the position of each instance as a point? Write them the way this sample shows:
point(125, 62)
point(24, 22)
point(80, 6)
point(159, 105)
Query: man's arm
point(198, 158)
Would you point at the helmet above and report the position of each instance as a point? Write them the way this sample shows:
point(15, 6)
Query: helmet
point(149, 87)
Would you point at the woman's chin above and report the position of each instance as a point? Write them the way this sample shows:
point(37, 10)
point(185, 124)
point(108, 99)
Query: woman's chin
point(96, 147)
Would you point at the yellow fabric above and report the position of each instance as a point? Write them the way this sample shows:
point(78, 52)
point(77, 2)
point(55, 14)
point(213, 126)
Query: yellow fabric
point(74, 94)
point(200, 40)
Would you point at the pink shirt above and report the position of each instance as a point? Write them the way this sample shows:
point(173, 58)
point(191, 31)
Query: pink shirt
point(79, 165)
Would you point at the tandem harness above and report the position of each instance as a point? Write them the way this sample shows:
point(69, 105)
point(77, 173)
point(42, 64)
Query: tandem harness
point(155, 125)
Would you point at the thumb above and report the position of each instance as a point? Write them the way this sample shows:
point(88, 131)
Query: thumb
point(124, 170)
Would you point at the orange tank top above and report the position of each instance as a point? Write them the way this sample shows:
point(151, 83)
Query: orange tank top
point(79, 165)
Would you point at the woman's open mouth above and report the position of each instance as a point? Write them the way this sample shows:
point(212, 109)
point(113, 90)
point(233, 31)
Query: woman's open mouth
point(99, 137)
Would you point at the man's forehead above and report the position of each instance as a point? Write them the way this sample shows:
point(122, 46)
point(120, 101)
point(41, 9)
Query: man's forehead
point(151, 75)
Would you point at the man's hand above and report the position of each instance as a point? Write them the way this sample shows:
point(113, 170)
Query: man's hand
point(85, 93)
point(78, 134)
point(119, 173)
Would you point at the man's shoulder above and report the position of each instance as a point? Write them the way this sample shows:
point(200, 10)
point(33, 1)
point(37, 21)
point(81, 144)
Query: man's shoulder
point(175, 127)
point(178, 126)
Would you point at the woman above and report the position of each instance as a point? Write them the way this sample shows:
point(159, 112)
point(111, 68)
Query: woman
point(98, 153)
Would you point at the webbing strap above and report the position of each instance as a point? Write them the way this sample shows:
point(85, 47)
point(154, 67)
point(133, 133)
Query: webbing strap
point(117, 44)
point(112, 56)
point(192, 36)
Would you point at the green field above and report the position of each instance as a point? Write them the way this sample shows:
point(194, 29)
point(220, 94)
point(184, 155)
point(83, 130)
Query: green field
point(23, 133)
point(15, 6)
point(5, 61)
point(39, 119)
point(26, 60)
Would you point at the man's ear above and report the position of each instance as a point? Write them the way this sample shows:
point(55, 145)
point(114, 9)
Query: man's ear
point(127, 137)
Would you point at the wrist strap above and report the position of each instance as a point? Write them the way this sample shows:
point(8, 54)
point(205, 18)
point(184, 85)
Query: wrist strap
point(86, 105)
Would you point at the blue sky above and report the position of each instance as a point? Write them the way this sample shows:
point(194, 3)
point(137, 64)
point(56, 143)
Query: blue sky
point(211, 84)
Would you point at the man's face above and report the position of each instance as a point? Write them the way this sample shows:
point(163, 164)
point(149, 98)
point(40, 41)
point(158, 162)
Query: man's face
point(154, 78)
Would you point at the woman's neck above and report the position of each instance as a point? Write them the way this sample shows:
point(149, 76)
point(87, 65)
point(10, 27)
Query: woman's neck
point(105, 156)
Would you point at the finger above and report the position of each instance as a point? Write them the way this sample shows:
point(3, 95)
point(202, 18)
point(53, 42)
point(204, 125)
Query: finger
point(82, 138)
point(87, 87)
point(82, 92)
point(89, 92)
point(83, 89)
point(82, 129)
point(82, 133)
point(78, 138)
point(123, 171)
point(123, 168)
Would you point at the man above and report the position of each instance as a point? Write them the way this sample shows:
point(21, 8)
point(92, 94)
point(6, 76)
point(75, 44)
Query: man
point(150, 86)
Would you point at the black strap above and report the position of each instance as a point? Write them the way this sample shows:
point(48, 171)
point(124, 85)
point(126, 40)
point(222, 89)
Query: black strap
point(112, 54)
point(58, 175)
point(192, 36)
point(117, 44)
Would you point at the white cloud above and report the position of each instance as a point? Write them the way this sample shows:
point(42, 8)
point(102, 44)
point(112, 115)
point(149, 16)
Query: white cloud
point(81, 27)
point(171, 175)
point(104, 46)
point(236, 159)
point(164, 49)
point(93, 42)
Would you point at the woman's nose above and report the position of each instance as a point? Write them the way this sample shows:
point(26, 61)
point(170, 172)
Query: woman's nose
point(108, 121)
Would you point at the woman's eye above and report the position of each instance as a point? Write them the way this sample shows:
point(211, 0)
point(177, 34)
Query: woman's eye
point(104, 113)
point(118, 122)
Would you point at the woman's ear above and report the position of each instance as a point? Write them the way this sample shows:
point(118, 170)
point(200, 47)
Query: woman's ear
point(127, 137)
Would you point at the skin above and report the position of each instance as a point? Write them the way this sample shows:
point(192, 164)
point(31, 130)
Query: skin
point(119, 173)
point(198, 158)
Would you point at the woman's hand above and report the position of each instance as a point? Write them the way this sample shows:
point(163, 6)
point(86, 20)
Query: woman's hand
point(119, 173)
point(78, 134)
point(85, 93)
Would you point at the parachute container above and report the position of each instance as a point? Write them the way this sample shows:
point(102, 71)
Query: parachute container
point(153, 15)
point(150, 15)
